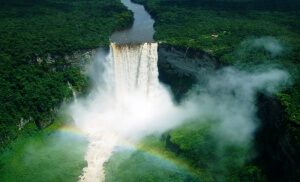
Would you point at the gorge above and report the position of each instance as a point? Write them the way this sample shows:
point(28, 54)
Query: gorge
point(128, 83)
point(145, 105)
point(129, 103)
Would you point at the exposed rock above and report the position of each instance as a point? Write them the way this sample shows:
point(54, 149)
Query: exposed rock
point(49, 59)
point(277, 153)
point(39, 60)
point(23, 122)
point(273, 142)
point(182, 67)
point(78, 58)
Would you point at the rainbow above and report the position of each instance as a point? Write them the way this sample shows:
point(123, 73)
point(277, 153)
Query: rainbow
point(162, 155)
point(72, 130)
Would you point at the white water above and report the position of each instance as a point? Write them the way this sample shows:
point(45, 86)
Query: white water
point(128, 103)
point(73, 92)
point(135, 69)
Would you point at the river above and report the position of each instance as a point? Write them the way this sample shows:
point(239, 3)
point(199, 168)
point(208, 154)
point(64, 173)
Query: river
point(141, 31)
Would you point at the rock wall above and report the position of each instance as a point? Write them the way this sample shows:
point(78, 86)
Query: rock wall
point(78, 58)
point(277, 152)
point(275, 143)
point(181, 67)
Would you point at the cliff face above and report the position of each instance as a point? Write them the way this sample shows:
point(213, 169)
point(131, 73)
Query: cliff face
point(182, 67)
point(276, 138)
point(277, 151)
point(79, 58)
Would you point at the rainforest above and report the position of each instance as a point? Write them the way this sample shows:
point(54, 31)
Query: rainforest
point(149, 90)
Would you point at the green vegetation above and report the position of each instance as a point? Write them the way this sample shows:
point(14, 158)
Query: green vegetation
point(192, 24)
point(32, 29)
point(45, 156)
point(139, 165)
point(243, 29)
point(215, 160)
point(191, 152)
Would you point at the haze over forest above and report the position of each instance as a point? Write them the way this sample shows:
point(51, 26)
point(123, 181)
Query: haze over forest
point(149, 90)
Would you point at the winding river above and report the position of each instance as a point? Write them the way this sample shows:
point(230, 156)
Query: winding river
point(141, 31)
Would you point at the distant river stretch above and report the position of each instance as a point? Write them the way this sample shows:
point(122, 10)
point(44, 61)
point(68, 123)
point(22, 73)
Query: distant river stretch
point(142, 29)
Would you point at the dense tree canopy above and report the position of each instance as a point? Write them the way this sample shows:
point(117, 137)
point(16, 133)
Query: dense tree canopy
point(35, 28)
point(228, 29)
point(236, 23)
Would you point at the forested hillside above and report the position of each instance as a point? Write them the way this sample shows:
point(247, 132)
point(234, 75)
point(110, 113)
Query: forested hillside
point(29, 31)
point(249, 36)
point(222, 27)
point(243, 33)
point(236, 24)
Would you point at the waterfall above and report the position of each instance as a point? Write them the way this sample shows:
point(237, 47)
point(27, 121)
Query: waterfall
point(99, 151)
point(135, 68)
point(128, 103)
point(73, 92)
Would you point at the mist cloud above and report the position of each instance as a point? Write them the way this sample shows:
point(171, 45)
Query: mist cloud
point(270, 44)
point(229, 97)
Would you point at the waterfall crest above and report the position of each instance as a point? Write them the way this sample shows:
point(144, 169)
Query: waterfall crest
point(128, 103)
point(135, 68)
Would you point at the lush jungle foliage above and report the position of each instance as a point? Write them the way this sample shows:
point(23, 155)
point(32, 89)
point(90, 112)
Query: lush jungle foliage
point(44, 156)
point(34, 28)
point(139, 165)
point(187, 153)
point(192, 24)
point(237, 25)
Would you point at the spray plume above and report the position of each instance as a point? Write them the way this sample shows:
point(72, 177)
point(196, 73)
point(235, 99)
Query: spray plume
point(128, 102)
